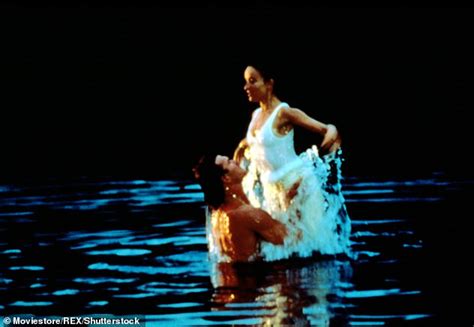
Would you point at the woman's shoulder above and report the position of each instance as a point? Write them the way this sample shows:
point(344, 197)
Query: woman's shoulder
point(287, 110)
point(256, 111)
point(284, 106)
point(291, 114)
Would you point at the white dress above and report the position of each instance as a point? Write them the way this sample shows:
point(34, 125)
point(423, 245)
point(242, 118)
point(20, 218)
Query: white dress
point(316, 216)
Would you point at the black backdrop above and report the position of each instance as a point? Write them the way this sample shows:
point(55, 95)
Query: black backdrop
point(141, 91)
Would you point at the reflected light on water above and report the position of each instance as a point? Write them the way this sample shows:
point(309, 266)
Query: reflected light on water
point(140, 247)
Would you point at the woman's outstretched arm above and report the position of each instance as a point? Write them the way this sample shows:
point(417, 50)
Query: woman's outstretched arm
point(296, 117)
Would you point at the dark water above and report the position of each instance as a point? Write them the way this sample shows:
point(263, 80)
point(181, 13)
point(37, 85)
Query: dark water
point(138, 247)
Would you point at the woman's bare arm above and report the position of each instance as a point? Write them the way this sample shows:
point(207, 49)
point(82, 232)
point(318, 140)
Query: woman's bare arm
point(240, 150)
point(296, 117)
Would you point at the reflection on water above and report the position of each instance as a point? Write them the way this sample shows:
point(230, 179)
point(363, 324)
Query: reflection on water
point(282, 294)
point(139, 247)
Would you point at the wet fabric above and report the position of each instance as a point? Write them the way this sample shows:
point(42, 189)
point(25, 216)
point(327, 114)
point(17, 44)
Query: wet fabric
point(302, 191)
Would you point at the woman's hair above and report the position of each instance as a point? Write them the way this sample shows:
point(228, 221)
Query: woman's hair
point(269, 71)
point(209, 175)
point(265, 69)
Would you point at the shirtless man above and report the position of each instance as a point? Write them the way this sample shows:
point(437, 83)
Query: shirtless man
point(237, 227)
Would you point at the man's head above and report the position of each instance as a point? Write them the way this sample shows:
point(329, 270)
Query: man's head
point(233, 172)
point(212, 173)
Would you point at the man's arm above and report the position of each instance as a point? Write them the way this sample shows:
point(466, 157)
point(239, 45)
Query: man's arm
point(263, 224)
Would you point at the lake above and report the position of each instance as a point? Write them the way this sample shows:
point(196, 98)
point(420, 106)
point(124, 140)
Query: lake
point(109, 247)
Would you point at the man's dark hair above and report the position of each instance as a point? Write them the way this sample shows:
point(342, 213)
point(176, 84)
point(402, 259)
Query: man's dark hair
point(209, 175)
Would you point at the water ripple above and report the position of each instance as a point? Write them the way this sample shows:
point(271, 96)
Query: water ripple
point(140, 246)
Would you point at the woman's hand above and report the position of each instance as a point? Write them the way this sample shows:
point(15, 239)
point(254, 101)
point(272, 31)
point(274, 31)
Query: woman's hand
point(332, 140)
point(240, 151)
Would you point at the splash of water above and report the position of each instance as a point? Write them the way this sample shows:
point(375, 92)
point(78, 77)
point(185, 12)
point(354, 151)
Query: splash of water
point(316, 217)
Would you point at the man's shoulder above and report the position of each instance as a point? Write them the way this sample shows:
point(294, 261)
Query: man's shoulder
point(244, 211)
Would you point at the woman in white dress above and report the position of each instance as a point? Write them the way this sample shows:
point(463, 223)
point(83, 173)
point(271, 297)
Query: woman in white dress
point(302, 191)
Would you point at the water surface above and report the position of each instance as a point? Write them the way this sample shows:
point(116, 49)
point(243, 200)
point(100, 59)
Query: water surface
point(126, 247)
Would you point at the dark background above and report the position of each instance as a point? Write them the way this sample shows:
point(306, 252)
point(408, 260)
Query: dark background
point(142, 91)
